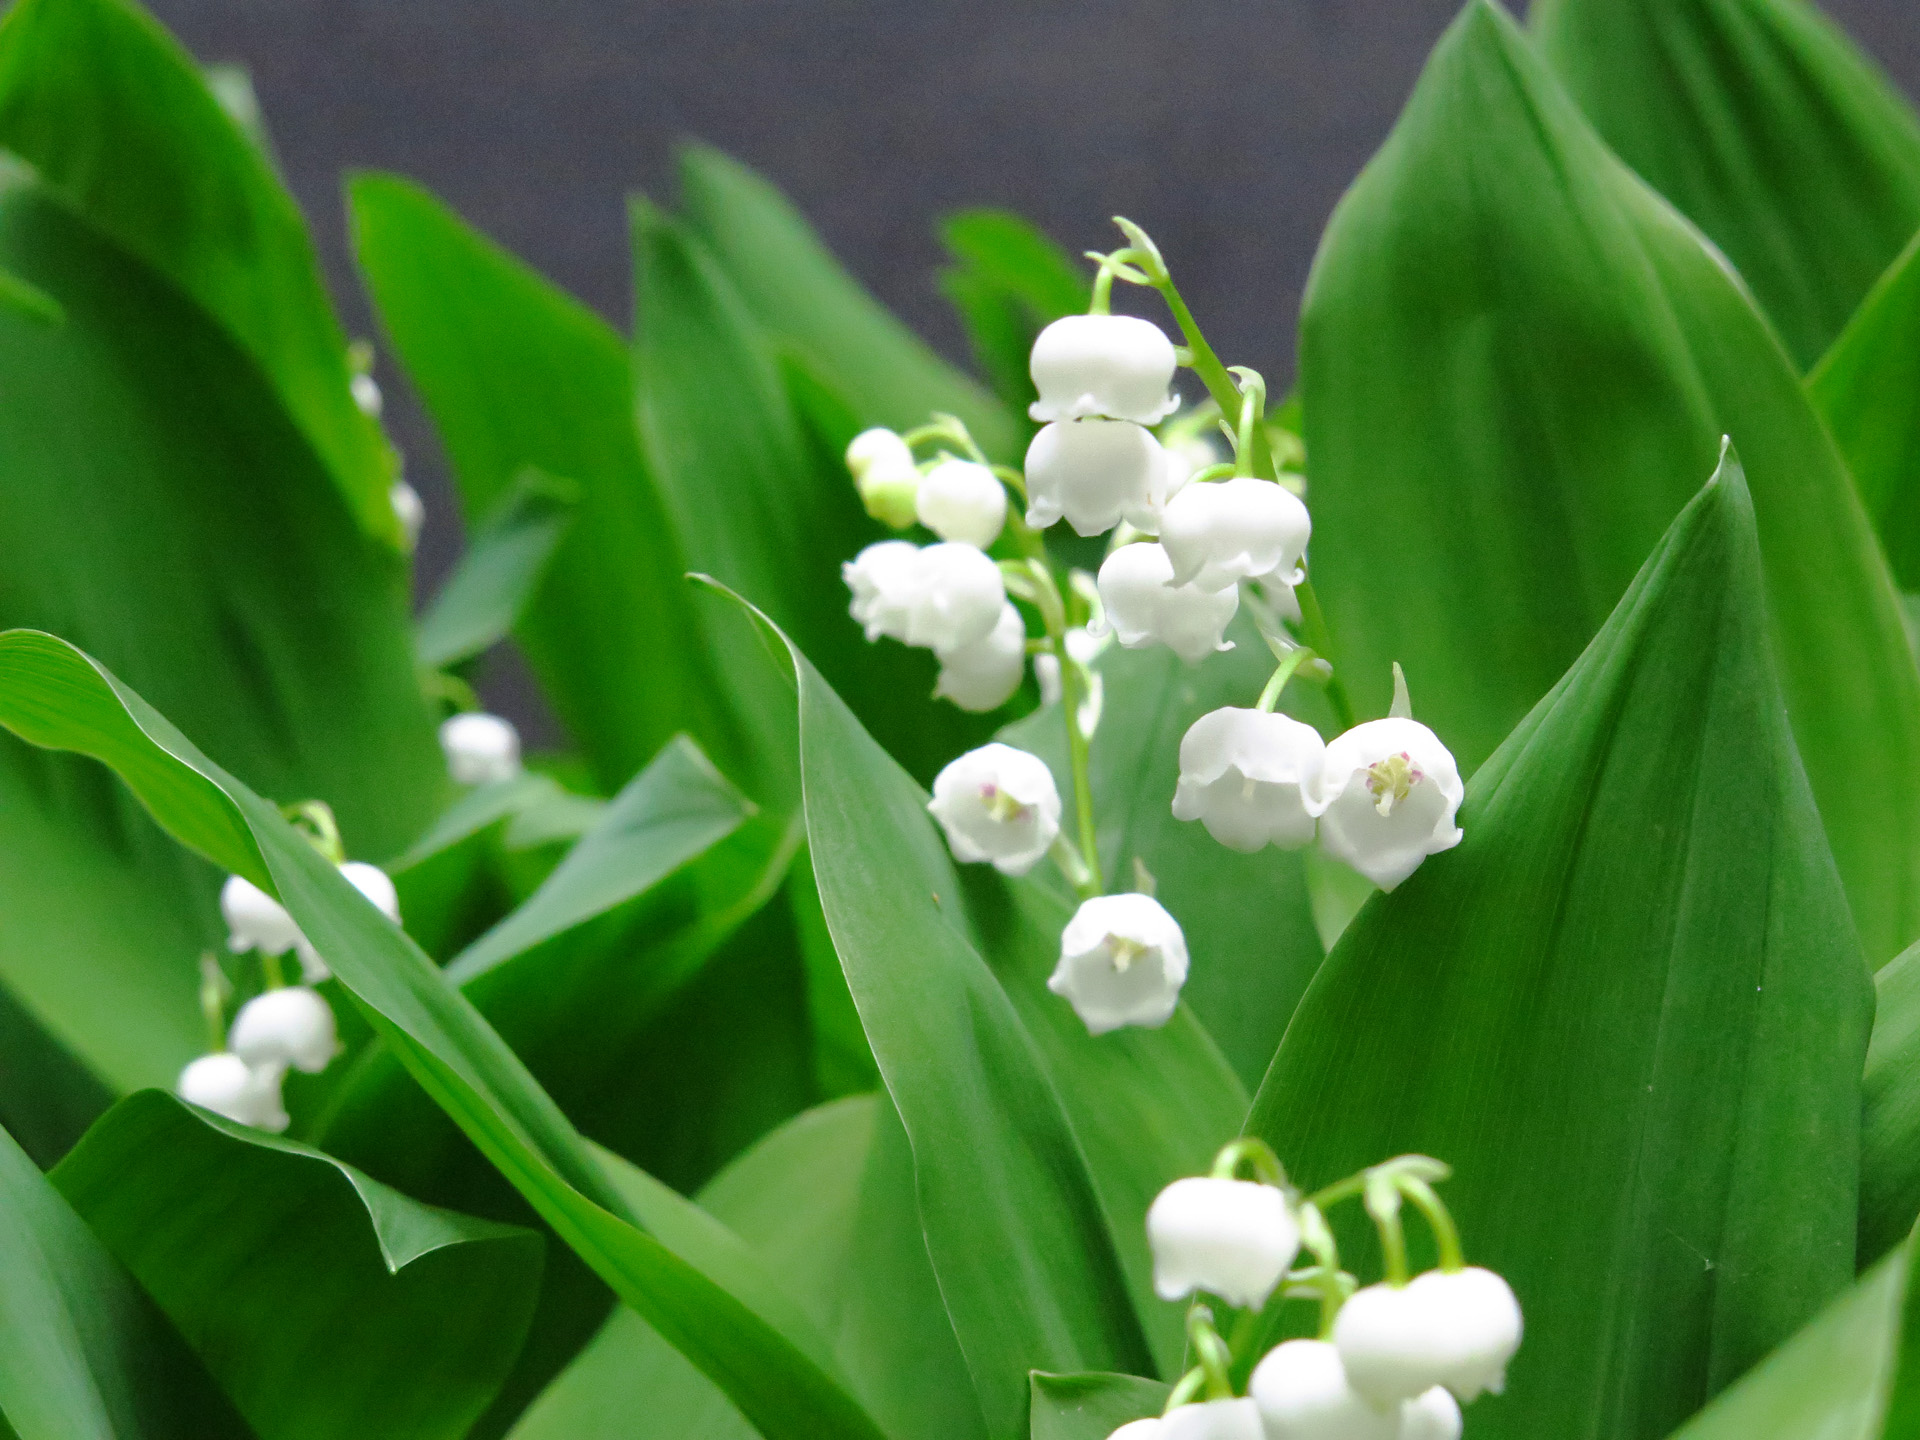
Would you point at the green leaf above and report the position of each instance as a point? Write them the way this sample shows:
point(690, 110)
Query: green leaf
point(87, 1354)
point(1628, 1009)
point(692, 1285)
point(1009, 281)
point(1890, 1130)
point(118, 119)
point(803, 297)
point(515, 374)
point(503, 566)
point(1867, 389)
point(1091, 1407)
point(1516, 362)
point(30, 299)
point(325, 1303)
point(1766, 127)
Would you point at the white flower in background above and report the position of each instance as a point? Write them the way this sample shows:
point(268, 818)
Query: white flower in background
point(997, 804)
point(372, 882)
point(881, 463)
point(1115, 366)
point(1302, 1392)
point(1146, 1429)
point(1246, 775)
point(1387, 797)
point(1095, 473)
point(288, 1026)
point(255, 920)
point(1231, 1238)
point(1046, 674)
point(959, 500)
point(1220, 533)
point(228, 1086)
point(1144, 607)
point(983, 676)
point(366, 395)
point(877, 447)
point(409, 509)
point(1454, 1329)
point(942, 597)
point(1123, 960)
point(1432, 1416)
point(480, 749)
point(1212, 1420)
point(883, 578)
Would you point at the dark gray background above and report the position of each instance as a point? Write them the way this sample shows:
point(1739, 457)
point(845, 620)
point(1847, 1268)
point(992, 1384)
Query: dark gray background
point(1228, 129)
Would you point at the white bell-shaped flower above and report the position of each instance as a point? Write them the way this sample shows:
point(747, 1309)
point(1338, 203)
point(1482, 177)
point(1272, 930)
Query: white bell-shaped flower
point(1144, 1429)
point(288, 1026)
point(1434, 1415)
point(1303, 1393)
point(1247, 775)
point(998, 805)
point(1231, 1238)
point(1123, 959)
point(1212, 1420)
point(1455, 1329)
point(409, 509)
point(942, 597)
point(480, 749)
point(883, 578)
point(1178, 464)
point(1117, 366)
point(1220, 533)
point(959, 500)
point(1095, 473)
point(983, 676)
point(255, 920)
point(372, 882)
point(1388, 794)
point(1143, 606)
point(228, 1086)
point(877, 447)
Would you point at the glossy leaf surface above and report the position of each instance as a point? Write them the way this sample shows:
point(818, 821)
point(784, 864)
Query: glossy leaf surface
point(1091, 1407)
point(1628, 1009)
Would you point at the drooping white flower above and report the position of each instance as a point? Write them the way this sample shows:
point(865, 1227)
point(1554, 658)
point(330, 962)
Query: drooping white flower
point(288, 1026)
point(1231, 1238)
point(1095, 473)
point(372, 882)
point(1212, 1420)
point(1226, 531)
point(983, 676)
point(1434, 1415)
point(959, 500)
point(228, 1086)
point(1117, 366)
point(1387, 797)
point(1246, 776)
point(883, 578)
point(1144, 607)
point(255, 920)
point(1454, 1329)
point(409, 509)
point(942, 597)
point(999, 805)
point(1303, 1393)
point(876, 447)
point(1179, 462)
point(480, 749)
point(1123, 959)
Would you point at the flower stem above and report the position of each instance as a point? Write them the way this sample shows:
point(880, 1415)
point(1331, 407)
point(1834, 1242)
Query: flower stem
point(1216, 1361)
point(1256, 1155)
point(1446, 1234)
point(1270, 696)
point(1313, 624)
point(274, 973)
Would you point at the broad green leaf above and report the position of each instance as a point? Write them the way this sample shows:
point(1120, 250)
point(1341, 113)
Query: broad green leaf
point(503, 566)
point(1628, 1009)
point(1008, 282)
point(1091, 1407)
point(1766, 127)
point(84, 1354)
point(118, 120)
point(1516, 363)
point(827, 1202)
point(30, 300)
point(806, 300)
point(515, 373)
point(695, 1288)
point(1867, 389)
point(47, 1097)
point(1890, 1132)
point(324, 1303)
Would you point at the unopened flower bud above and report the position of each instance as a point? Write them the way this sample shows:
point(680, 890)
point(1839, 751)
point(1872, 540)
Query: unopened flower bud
point(1212, 1420)
point(1123, 960)
point(1231, 1238)
point(1434, 1415)
point(1219, 534)
point(891, 494)
point(228, 1086)
point(1246, 776)
point(1095, 473)
point(409, 509)
point(1302, 1392)
point(255, 920)
point(366, 395)
point(288, 1026)
point(983, 676)
point(1455, 1329)
point(878, 446)
point(1143, 606)
point(997, 804)
point(480, 749)
point(1117, 366)
point(959, 500)
point(1387, 797)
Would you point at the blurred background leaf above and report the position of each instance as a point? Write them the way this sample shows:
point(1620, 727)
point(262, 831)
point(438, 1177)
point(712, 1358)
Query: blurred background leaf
point(506, 560)
point(1008, 281)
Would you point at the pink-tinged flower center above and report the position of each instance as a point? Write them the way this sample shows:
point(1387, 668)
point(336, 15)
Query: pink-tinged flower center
point(1001, 806)
point(1391, 780)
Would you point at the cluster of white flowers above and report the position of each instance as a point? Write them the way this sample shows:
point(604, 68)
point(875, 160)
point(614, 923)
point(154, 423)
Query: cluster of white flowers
point(1394, 1361)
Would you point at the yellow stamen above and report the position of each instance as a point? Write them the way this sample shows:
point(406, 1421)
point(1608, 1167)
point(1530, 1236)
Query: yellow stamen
point(1391, 780)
